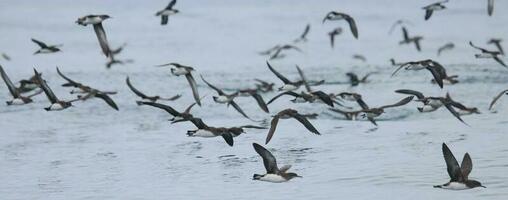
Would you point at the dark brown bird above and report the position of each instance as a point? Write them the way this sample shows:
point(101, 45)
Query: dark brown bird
point(286, 114)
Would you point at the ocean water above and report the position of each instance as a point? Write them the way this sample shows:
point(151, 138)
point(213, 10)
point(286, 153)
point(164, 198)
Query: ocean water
point(91, 151)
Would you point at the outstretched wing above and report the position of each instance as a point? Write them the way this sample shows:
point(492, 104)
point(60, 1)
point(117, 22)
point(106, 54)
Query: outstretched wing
point(452, 165)
point(282, 78)
point(133, 89)
point(219, 91)
point(167, 108)
point(268, 159)
point(70, 82)
point(107, 99)
point(400, 103)
point(273, 126)
point(306, 123)
point(466, 166)
point(101, 36)
point(49, 93)
point(12, 89)
point(171, 4)
point(41, 44)
point(352, 25)
point(419, 95)
point(497, 98)
point(281, 94)
point(194, 88)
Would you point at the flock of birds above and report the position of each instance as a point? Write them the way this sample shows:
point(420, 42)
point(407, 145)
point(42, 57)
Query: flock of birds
point(458, 173)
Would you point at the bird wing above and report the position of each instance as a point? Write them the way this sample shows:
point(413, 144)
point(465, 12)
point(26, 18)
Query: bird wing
point(70, 82)
point(452, 165)
point(167, 108)
point(352, 25)
point(497, 98)
point(418, 95)
point(171, 4)
point(237, 108)
point(133, 89)
point(306, 123)
point(12, 89)
point(452, 110)
point(103, 40)
point(49, 93)
point(41, 44)
point(405, 35)
point(305, 32)
point(490, 7)
point(268, 159)
point(260, 101)
point(417, 44)
point(280, 76)
point(400, 103)
point(198, 122)
point(194, 88)
point(428, 13)
point(500, 61)
point(219, 91)
point(164, 19)
point(362, 103)
point(281, 94)
point(273, 126)
point(302, 76)
point(466, 166)
point(107, 99)
point(437, 76)
point(324, 97)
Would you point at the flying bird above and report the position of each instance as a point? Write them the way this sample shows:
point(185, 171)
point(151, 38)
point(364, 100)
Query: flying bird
point(446, 47)
point(497, 42)
point(333, 33)
point(437, 70)
point(459, 175)
point(96, 21)
point(146, 97)
point(497, 97)
point(490, 7)
point(166, 12)
point(17, 98)
point(44, 48)
point(303, 36)
point(433, 7)
point(407, 40)
point(273, 174)
point(333, 16)
point(179, 70)
point(488, 54)
point(56, 104)
point(286, 114)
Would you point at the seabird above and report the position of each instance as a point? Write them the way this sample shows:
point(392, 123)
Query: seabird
point(177, 116)
point(400, 22)
point(288, 85)
point(333, 15)
point(490, 7)
point(355, 80)
point(273, 173)
point(87, 91)
point(392, 61)
point(45, 48)
point(431, 104)
point(286, 114)
point(254, 94)
point(179, 70)
point(407, 40)
point(166, 12)
point(56, 104)
point(263, 86)
point(497, 42)
point(459, 175)
point(224, 98)
point(349, 115)
point(27, 85)
point(270, 50)
point(488, 54)
point(437, 70)
point(6, 57)
point(227, 134)
point(303, 36)
point(149, 98)
point(18, 99)
point(446, 47)
point(433, 7)
point(360, 57)
point(372, 113)
point(278, 52)
point(113, 61)
point(497, 97)
point(332, 34)
point(96, 21)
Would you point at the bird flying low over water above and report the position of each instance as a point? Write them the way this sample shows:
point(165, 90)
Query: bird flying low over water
point(372, 113)
point(332, 34)
point(334, 16)
point(497, 97)
point(437, 70)
point(96, 21)
point(177, 116)
point(446, 47)
point(433, 7)
point(497, 42)
point(179, 70)
point(56, 104)
point(459, 174)
point(288, 85)
point(273, 174)
point(355, 80)
point(44, 48)
point(488, 54)
point(166, 12)
point(87, 91)
point(278, 52)
point(17, 98)
point(303, 36)
point(400, 22)
point(227, 133)
point(407, 40)
point(254, 93)
point(490, 7)
point(146, 97)
point(286, 114)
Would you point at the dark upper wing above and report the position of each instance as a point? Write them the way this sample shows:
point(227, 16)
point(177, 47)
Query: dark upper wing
point(497, 98)
point(466, 166)
point(268, 159)
point(306, 123)
point(198, 122)
point(70, 81)
point(260, 102)
point(479, 48)
point(428, 13)
point(107, 99)
point(400, 103)
point(452, 165)
point(171, 4)
point(324, 97)
point(252, 126)
point(362, 103)
point(219, 91)
point(12, 89)
point(500, 61)
point(419, 95)
point(164, 19)
point(405, 34)
point(273, 126)
point(305, 32)
point(284, 79)
point(133, 89)
point(41, 44)
point(101, 36)
point(281, 94)
point(352, 25)
point(188, 109)
point(490, 7)
point(194, 88)
point(307, 87)
point(237, 108)
point(167, 108)
point(417, 44)
point(450, 108)
point(49, 93)
point(437, 75)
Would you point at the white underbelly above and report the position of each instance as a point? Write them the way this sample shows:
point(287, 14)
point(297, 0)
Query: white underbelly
point(288, 87)
point(17, 101)
point(455, 186)
point(427, 108)
point(203, 133)
point(179, 71)
point(222, 99)
point(273, 178)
